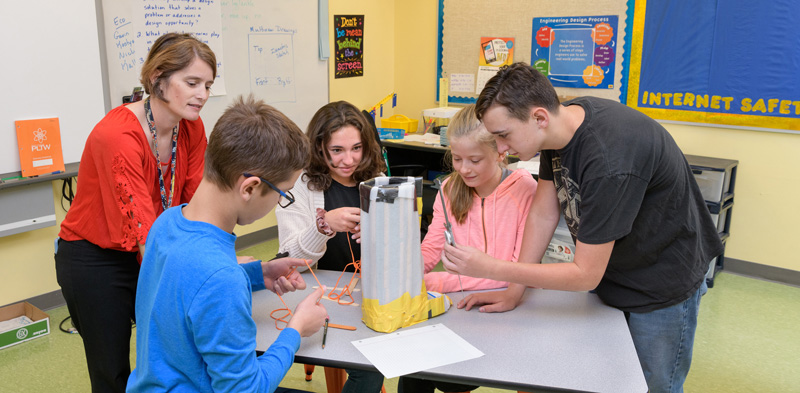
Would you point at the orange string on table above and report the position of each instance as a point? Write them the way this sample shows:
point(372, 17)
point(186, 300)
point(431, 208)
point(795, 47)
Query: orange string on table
point(346, 290)
point(280, 314)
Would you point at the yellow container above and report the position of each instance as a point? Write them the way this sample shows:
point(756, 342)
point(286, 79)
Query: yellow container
point(402, 122)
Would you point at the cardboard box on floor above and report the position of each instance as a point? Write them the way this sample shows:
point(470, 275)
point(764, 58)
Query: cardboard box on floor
point(40, 327)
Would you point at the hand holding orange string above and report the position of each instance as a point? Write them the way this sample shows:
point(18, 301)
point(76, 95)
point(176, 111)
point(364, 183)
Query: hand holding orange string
point(281, 276)
point(282, 315)
point(309, 316)
point(343, 219)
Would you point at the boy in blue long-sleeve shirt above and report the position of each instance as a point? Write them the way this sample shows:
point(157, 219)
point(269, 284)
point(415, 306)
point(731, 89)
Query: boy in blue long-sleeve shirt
point(195, 330)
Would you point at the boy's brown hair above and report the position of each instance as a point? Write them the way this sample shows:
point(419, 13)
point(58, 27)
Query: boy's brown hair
point(256, 138)
point(517, 87)
point(171, 53)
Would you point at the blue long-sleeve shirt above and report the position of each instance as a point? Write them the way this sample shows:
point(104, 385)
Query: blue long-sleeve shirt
point(195, 330)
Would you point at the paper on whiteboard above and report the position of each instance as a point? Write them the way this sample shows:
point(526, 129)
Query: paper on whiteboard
point(413, 350)
point(150, 19)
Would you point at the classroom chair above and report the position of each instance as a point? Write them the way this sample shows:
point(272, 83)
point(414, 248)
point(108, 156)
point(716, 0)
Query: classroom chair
point(334, 378)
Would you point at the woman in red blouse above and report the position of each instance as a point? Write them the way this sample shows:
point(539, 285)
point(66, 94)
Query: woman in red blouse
point(139, 160)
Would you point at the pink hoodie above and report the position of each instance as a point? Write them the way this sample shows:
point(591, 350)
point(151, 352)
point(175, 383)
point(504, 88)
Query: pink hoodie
point(494, 225)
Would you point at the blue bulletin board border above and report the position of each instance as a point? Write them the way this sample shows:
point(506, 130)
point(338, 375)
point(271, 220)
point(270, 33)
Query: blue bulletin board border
point(626, 54)
point(439, 32)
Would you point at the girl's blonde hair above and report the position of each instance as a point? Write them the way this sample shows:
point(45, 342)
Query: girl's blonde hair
point(464, 124)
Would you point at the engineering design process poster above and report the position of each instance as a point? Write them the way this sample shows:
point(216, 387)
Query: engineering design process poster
point(576, 51)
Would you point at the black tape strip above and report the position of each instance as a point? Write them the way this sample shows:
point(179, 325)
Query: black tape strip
point(387, 194)
point(364, 190)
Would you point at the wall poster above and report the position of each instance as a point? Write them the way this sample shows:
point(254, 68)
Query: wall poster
point(495, 52)
point(576, 51)
point(348, 45)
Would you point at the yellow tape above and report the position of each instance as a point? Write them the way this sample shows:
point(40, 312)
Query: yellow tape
point(401, 312)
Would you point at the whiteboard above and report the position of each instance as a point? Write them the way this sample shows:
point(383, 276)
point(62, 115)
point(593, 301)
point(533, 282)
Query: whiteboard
point(267, 48)
point(51, 66)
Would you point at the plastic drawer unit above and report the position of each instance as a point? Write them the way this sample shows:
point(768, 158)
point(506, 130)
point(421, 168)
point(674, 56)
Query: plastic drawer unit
point(716, 178)
point(723, 219)
point(716, 264)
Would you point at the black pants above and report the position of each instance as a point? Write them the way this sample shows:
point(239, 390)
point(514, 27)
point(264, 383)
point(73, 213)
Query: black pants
point(99, 286)
point(416, 385)
point(361, 381)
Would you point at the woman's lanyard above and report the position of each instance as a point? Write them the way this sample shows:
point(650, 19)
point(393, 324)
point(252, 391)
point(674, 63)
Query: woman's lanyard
point(148, 114)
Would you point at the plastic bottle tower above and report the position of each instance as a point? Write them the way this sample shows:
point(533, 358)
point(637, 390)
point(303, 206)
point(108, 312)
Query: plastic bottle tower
point(394, 294)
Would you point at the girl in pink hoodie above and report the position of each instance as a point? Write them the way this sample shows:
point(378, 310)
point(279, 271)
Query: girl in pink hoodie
point(486, 203)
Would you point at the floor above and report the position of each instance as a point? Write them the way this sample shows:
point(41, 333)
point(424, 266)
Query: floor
point(748, 340)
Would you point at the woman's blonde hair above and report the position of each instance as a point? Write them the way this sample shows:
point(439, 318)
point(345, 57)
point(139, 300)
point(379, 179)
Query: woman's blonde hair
point(465, 124)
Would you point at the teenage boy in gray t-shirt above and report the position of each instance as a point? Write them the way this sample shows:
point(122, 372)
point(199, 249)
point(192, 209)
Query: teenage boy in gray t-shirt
point(643, 234)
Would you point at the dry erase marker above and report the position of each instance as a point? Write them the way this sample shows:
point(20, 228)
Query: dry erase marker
point(11, 179)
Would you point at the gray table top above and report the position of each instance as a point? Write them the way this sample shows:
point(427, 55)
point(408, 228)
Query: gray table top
point(554, 341)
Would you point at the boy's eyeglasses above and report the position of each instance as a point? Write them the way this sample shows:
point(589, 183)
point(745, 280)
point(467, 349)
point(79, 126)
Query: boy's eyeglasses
point(286, 197)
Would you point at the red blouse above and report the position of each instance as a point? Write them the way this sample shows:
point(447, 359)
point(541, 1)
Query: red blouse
point(118, 195)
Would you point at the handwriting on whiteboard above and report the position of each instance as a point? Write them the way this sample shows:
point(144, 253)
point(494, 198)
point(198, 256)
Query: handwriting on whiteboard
point(272, 75)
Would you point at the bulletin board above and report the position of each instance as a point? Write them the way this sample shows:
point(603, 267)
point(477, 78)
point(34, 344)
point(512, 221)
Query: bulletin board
point(733, 63)
point(465, 25)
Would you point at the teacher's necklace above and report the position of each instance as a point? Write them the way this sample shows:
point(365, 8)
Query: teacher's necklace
point(148, 114)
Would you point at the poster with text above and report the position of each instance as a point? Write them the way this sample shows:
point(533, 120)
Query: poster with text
point(39, 142)
point(733, 62)
point(348, 45)
point(576, 51)
point(496, 51)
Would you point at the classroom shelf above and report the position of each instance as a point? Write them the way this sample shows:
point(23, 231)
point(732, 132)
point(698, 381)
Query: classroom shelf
point(716, 178)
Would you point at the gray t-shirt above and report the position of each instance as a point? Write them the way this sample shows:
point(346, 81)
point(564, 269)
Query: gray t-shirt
point(623, 178)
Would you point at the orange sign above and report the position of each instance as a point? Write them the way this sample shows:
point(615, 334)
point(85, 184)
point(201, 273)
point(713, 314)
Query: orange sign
point(39, 142)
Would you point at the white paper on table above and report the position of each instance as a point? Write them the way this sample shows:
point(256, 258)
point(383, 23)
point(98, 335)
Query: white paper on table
point(413, 138)
point(428, 139)
point(409, 351)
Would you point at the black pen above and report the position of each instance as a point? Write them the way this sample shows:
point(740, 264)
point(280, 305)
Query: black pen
point(325, 333)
